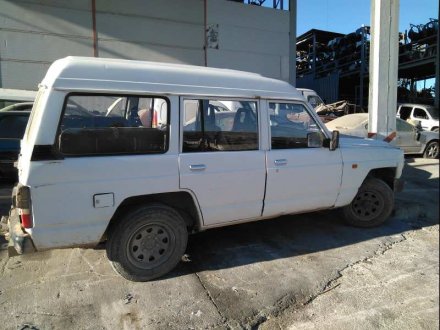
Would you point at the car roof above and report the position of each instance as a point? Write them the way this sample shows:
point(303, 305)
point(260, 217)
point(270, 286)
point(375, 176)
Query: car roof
point(104, 74)
point(17, 95)
point(351, 120)
point(415, 105)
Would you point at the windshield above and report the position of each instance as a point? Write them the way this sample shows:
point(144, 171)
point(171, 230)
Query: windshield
point(433, 112)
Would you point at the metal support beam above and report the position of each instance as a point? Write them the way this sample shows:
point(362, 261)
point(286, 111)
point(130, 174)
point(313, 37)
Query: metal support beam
point(384, 58)
point(292, 42)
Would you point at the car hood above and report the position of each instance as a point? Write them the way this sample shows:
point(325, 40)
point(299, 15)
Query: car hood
point(346, 141)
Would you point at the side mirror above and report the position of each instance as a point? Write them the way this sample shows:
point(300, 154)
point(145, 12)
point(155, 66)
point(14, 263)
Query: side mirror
point(334, 142)
point(314, 140)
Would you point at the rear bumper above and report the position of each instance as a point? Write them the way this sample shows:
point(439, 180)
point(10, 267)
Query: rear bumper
point(19, 242)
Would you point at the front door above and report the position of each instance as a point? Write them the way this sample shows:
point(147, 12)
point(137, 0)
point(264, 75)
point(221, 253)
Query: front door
point(299, 178)
point(406, 138)
point(220, 160)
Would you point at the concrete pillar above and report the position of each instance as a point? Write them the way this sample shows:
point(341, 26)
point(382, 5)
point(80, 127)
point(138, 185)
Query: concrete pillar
point(437, 69)
point(292, 42)
point(384, 58)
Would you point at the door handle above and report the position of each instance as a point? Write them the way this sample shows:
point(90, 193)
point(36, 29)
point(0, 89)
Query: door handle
point(197, 167)
point(280, 162)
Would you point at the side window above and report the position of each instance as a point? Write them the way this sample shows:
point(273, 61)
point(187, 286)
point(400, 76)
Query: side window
point(289, 125)
point(113, 124)
point(218, 125)
point(420, 113)
point(403, 126)
point(405, 112)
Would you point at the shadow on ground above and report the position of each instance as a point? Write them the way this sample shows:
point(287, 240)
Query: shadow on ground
point(291, 236)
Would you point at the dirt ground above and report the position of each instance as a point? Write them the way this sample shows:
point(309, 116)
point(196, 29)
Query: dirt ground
point(296, 272)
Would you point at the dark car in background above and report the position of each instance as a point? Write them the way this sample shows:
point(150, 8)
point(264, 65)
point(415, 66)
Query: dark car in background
point(12, 127)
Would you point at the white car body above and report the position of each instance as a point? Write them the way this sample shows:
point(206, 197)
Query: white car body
point(73, 199)
point(427, 115)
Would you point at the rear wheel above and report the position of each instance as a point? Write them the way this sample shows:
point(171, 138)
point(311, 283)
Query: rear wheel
point(147, 242)
point(371, 206)
point(432, 150)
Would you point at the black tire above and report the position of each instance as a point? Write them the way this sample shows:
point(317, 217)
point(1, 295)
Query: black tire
point(436, 129)
point(431, 150)
point(371, 206)
point(147, 242)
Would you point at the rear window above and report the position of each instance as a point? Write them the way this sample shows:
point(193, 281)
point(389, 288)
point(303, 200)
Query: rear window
point(113, 125)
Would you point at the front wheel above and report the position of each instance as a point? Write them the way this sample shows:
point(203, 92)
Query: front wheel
point(147, 242)
point(431, 150)
point(371, 206)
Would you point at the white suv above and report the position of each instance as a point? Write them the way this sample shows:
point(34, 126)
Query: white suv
point(90, 172)
point(427, 115)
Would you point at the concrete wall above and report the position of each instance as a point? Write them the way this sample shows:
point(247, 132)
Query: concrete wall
point(34, 33)
point(251, 38)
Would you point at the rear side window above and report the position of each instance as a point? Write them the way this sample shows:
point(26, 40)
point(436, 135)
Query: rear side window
point(113, 125)
point(219, 125)
point(405, 112)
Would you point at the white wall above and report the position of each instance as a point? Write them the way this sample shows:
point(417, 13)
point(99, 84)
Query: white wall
point(251, 38)
point(34, 33)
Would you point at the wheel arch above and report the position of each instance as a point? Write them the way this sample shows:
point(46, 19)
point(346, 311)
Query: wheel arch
point(427, 145)
point(182, 201)
point(386, 174)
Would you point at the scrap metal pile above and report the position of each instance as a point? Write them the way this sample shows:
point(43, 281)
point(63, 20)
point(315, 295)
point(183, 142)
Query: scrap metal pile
point(328, 112)
point(422, 41)
point(345, 53)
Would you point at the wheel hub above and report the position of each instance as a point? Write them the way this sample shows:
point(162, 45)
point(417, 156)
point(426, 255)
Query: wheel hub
point(367, 205)
point(148, 246)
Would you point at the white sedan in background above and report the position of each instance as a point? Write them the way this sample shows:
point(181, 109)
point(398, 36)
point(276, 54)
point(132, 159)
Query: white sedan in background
point(410, 139)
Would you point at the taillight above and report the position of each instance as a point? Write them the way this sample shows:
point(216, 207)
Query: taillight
point(26, 218)
point(23, 204)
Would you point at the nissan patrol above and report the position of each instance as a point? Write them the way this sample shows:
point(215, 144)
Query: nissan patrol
point(138, 155)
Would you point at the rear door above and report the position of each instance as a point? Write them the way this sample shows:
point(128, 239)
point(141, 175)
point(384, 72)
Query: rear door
point(220, 161)
point(299, 178)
